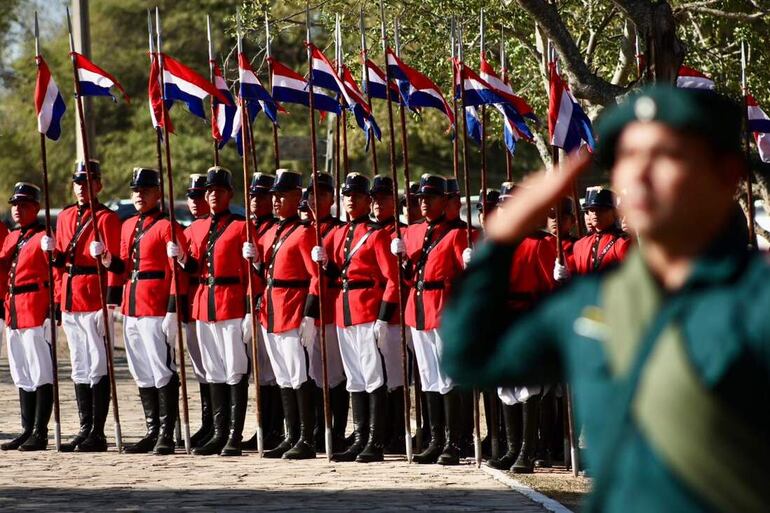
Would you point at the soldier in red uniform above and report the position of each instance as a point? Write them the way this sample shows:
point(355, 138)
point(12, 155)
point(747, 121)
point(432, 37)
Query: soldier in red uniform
point(217, 258)
point(290, 274)
point(26, 315)
point(75, 254)
point(607, 244)
point(357, 257)
point(199, 208)
point(338, 394)
point(433, 251)
point(532, 277)
point(565, 225)
point(149, 310)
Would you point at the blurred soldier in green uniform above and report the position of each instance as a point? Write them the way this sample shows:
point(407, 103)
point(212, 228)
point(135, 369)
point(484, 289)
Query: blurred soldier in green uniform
point(668, 354)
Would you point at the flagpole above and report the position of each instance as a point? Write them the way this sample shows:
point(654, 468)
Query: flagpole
point(97, 238)
point(174, 271)
point(51, 303)
point(402, 117)
point(276, 149)
point(397, 231)
point(319, 242)
point(455, 139)
point(211, 78)
point(337, 128)
point(245, 142)
point(469, 236)
point(344, 121)
point(483, 143)
point(158, 130)
point(370, 134)
point(747, 145)
point(504, 71)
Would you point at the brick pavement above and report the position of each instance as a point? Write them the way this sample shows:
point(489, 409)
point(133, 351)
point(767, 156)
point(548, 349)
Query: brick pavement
point(119, 482)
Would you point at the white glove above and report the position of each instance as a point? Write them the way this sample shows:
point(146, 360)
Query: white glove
point(96, 248)
point(381, 333)
point(467, 254)
point(47, 243)
point(172, 250)
point(168, 327)
point(397, 247)
point(249, 250)
point(307, 331)
point(318, 255)
point(560, 272)
point(246, 328)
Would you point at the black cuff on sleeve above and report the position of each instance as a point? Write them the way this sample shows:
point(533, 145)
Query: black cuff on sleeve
point(115, 295)
point(190, 265)
point(332, 271)
point(387, 310)
point(183, 306)
point(117, 265)
point(312, 307)
point(58, 259)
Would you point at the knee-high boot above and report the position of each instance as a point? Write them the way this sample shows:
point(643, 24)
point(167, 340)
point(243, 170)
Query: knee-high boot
point(149, 398)
point(525, 463)
point(451, 453)
point(202, 436)
point(374, 448)
point(513, 427)
point(96, 441)
point(305, 447)
point(168, 408)
point(239, 395)
point(220, 408)
point(84, 399)
point(291, 414)
point(360, 406)
point(437, 430)
point(38, 440)
point(27, 407)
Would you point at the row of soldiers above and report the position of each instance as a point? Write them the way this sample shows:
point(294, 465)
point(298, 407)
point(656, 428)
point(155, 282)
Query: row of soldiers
point(276, 248)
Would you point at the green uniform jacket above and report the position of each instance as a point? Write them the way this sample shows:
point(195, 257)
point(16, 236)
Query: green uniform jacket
point(671, 388)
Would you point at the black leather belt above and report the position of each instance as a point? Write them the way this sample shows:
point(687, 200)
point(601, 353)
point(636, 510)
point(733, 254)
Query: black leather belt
point(78, 270)
point(430, 285)
point(147, 275)
point(288, 284)
point(220, 280)
point(357, 284)
point(29, 287)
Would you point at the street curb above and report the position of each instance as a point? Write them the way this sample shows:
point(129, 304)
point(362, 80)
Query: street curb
point(531, 494)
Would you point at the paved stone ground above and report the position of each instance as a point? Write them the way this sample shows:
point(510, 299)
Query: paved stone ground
point(118, 482)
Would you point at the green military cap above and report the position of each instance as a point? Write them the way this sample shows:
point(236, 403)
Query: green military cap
point(703, 113)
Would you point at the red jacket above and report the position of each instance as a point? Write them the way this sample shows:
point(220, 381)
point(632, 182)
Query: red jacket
point(217, 263)
point(532, 270)
point(149, 289)
point(596, 251)
point(332, 288)
point(3, 270)
point(290, 274)
point(192, 281)
point(26, 289)
point(390, 229)
point(365, 271)
point(76, 273)
point(434, 259)
point(568, 246)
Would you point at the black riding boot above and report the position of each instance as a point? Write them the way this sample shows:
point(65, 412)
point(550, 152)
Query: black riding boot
point(274, 427)
point(467, 449)
point(375, 447)
point(220, 411)
point(239, 395)
point(100, 394)
point(84, 401)
point(291, 414)
point(513, 425)
point(452, 413)
point(265, 399)
point(547, 425)
point(38, 440)
point(425, 422)
point(27, 405)
point(149, 397)
point(340, 400)
point(305, 447)
point(360, 405)
point(525, 463)
point(168, 401)
point(395, 420)
point(202, 436)
point(437, 430)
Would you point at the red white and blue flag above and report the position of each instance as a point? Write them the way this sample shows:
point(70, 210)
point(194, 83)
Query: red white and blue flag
point(223, 115)
point(93, 80)
point(185, 85)
point(376, 86)
point(158, 110)
point(473, 123)
point(252, 90)
point(49, 104)
point(568, 125)
point(477, 91)
point(417, 89)
point(361, 110)
point(759, 125)
point(291, 87)
point(690, 78)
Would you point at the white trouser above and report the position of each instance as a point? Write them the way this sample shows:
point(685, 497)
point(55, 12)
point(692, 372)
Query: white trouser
point(288, 357)
point(428, 348)
point(391, 354)
point(223, 352)
point(333, 359)
point(513, 395)
point(150, 355)
point(194, 350)
point(29, 356)
point(361, 358)
point(85, 338)
point(266, 374)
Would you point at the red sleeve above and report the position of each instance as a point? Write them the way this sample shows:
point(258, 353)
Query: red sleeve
point(306, 247)
point(388, 265)
point(110, 232)
point(546, 258)
point(182, 278)
point(460, 244)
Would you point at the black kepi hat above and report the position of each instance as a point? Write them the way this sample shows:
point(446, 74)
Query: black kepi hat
point(79, 175)
point(197, 188)
point(286, 180)
point(218, 176)
point(144, 177)
point(25, 191)
point(356, 183)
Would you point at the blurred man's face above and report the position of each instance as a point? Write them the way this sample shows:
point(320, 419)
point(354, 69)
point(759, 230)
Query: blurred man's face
point(325, 201)
point(357, 205)
point(219, 198)
point(261, 204)
point(601, 218)
point(673, 183)
point(198, 206)
point(285, 203)
point(382, 206)
point(24, 213)
point(145, 198)
point(432, 206)
point(566, 223)
point(81, 190)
